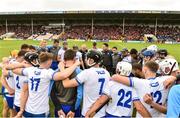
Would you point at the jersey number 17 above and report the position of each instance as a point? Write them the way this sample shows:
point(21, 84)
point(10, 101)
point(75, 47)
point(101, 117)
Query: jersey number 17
point(34, 83)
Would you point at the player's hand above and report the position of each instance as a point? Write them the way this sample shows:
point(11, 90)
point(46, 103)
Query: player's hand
point(148, 99)
point(168, 83)
point(25, 64)
point(11, 91)
point(89, 115)
point(178, 72)
point(70, 114)
point(61, 65)
point(115, 77)
point(61, 114)
point(77, 63)
point(19, 114)
point(1, 65)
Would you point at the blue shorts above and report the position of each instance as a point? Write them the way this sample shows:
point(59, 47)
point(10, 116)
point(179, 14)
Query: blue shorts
point(112, 116)
point(66, 109)
point(2, 90)
point(54, 65)
point(16, 108)
point(10, 101)
point(27, 115)
point(78, 112)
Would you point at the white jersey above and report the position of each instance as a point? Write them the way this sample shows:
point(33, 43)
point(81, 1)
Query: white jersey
point(61, 53)
point(9, 79)
point(19, 81)
point(38, 87)
point(78, 55)
point(127, 59)
point(153, 86)
point(11, 83)
point(93, 80)
point(122, 97)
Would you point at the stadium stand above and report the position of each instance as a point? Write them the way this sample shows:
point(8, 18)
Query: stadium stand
point(97, 26)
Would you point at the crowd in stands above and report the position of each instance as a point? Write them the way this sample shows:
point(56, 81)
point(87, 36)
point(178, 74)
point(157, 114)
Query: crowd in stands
point(21, 31)
point(115, 32)
point(167, 33)
point(99, 32)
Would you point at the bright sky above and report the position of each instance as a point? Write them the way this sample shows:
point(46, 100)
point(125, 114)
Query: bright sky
point(67, 5)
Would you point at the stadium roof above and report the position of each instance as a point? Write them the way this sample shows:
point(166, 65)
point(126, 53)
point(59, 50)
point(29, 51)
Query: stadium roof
point(93, 12)
point(57, 16)
point(80, 5)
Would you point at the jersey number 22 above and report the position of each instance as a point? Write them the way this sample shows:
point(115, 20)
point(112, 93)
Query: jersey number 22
point(127, 96)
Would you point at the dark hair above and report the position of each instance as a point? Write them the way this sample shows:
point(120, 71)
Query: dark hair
point(65, 43)
point(75, 47)
point(32, 47)
point(133, 51)
point(153, 66)
point(56, 41)
point(45, 56)
point(137, 66)
point(24, 46)
point(69, 55)
point(115, 47)
point(21, 53)
point(106, 44)
point(94, 43)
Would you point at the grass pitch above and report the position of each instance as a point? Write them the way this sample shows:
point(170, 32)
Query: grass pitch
point(8, 45)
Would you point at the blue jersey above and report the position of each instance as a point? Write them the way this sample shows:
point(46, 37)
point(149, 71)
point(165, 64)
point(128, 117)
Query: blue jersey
point(173, 107)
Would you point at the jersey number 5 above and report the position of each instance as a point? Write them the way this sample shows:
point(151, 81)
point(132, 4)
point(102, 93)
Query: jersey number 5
point(127, 96)
point(34, 83)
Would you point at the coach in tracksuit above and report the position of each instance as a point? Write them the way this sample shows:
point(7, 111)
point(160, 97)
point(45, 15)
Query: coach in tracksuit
point(107, 58)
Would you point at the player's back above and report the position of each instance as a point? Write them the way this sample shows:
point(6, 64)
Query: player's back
point(122, 97)
point(155, 87)
point(78, 55)
point(61, 53)
point(38, 86)
point(94, 82)
point(65, 96)
point(19, 81)
point(10, 79)
point(18, 84)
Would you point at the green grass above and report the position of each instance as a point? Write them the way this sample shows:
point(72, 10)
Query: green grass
point(7, 46)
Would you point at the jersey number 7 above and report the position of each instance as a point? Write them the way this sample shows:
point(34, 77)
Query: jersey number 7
point(101, 81)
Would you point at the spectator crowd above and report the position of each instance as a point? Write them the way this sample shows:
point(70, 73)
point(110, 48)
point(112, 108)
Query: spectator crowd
point(99, 32)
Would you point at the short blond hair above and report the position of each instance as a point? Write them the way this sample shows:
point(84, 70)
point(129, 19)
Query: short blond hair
point(42, 41)
point(83, 46)
point(45, 56)
point(5, 60)
point(14, 53)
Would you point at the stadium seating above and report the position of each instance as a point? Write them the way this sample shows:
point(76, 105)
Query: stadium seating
point(100, 32)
